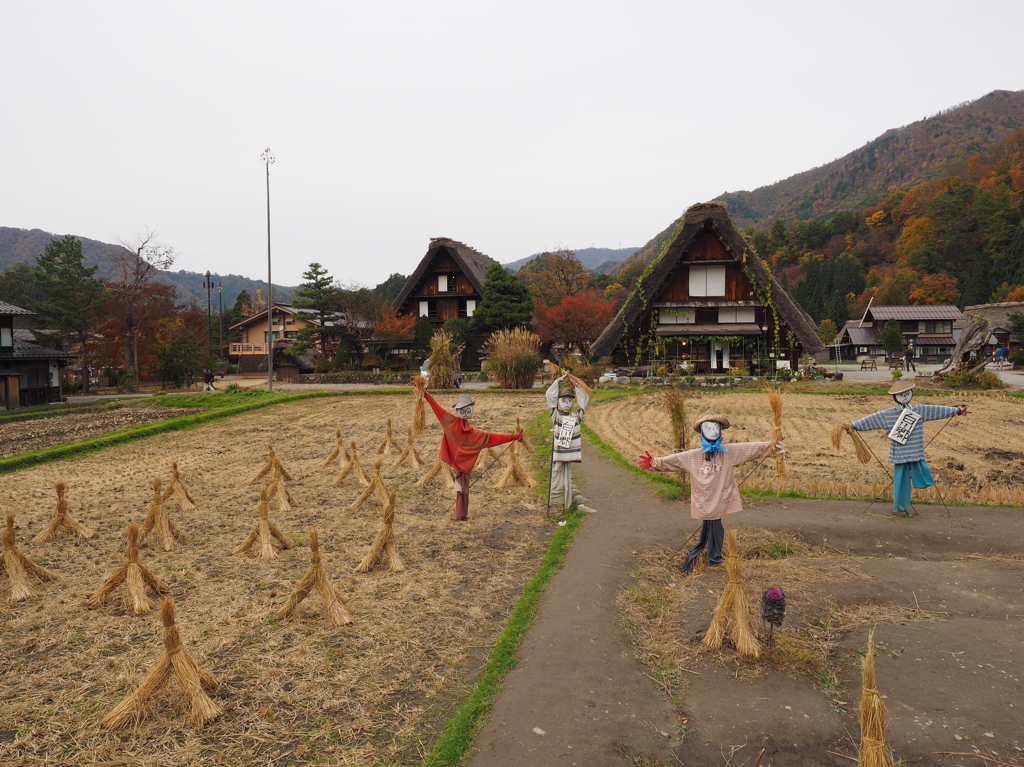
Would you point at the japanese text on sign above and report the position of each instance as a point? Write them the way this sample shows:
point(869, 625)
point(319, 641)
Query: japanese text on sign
point(904, 425)
point(564, 438)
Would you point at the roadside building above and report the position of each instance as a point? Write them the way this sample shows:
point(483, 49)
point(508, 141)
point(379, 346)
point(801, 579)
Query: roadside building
point(30, 374)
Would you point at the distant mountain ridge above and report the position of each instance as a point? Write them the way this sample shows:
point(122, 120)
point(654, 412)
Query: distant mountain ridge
point(26, 245)
point(597, 260)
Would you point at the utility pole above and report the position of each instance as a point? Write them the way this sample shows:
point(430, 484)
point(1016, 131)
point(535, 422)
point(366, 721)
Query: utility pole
point(209, 317)
point(268, 160)
point(220, 321)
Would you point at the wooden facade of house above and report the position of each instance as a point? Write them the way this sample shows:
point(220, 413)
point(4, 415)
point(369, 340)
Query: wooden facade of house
point(930, 331)
point(29, 373)
point(251, 348)
point(709, 305)
point(447, 284)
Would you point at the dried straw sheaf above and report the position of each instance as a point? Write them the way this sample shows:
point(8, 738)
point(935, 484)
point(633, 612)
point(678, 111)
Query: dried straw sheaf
point(419, 407)
point(338, 454)
point(525, 443)
point(316, 578)
point(351, 466)
point(444, 360)
point(872, 716)
point(384, 448)
point(675, 402)
point(176, 662)
point(265, 531)
point(375, 487)
point(62, 520)
point(18, 567)
point(156, 518)
point(279, 490)
point(178, 490)
point(515, 473)
point(440, 472)
point(495, 457)
point(860, 447)
point(383, 549)
point(273, 462)
point(137, 576)
point(775, 403)
point(409, 454)
point(732, 615)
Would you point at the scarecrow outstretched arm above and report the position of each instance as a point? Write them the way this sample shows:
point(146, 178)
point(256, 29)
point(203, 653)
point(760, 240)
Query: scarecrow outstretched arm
point(500, 439)
point(439, 411)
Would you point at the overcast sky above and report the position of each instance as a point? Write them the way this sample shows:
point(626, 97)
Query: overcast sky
point(513, 127)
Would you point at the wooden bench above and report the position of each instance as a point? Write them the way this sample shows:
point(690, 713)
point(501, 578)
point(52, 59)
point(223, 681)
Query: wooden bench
point(868, 365)
point(896, 364)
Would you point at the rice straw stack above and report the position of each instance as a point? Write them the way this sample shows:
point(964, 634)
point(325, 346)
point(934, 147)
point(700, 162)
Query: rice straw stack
point(136, 576)
point(515, 473)
point(384, 448)
point(437, 473)
point(339, 450)
point(383, 548)
point(316, 578)
point(177, 489)
point(872, 716)
point(775, 403)
point(273, 462)
point(176, 662)
point(351, 466)
point(19, 567)
point(526, 443)
point(280, 489)
point(859, 445)
point(494, 457)
point(156, 518)
point(265, 531)
point(376, 487)
point(62, 520)
point(732, 615)
point(409, 454)
point(419, 407)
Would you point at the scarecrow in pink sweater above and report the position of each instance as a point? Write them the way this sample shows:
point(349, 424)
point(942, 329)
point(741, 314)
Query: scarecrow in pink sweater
point(714, 492)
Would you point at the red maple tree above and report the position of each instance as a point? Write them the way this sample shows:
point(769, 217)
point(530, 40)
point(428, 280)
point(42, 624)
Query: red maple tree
point(576, 321)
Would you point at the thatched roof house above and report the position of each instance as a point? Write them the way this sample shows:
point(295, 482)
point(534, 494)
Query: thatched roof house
point(447, 283)
point(709, 304)
point(998, 316)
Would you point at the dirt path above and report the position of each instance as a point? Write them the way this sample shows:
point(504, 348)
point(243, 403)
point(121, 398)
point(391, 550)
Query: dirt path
point(952, 684)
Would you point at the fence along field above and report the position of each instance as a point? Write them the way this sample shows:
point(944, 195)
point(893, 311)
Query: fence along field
point(299, 690)
point(977, 459)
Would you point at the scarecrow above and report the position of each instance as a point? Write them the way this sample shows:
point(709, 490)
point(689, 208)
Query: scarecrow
point(462, 443)
point(714, 492)
point(568, 444)
point(906, 440)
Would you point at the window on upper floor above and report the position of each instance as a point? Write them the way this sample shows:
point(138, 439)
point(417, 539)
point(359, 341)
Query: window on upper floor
point(707, 281)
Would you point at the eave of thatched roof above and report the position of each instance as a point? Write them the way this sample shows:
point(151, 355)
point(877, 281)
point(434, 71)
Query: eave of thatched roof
point(714, 217)
point(473, 264)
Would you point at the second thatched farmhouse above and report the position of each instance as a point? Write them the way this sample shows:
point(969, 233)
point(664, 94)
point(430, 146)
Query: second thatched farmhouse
point(709, 305)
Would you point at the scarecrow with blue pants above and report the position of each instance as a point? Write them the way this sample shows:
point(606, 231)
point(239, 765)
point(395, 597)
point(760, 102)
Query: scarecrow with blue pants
point(906, 440)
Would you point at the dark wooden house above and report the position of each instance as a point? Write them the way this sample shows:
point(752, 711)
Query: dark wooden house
point(447, 284)
point(708, 305)
point(29, 373)
point(929, 330)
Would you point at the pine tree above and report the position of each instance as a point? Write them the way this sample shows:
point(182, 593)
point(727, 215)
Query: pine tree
point(506, 302)
point(318, 293)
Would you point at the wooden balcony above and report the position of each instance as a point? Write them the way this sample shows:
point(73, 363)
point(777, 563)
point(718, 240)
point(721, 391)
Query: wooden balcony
point(247, 349)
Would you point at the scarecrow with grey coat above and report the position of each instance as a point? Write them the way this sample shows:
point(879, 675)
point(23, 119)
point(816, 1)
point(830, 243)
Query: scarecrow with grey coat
point(462, 443)
point(568, 448)
point(906, 440)
point(714, 491)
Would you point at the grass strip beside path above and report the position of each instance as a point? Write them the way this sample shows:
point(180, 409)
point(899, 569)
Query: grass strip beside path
point(664, 485)
point(460, 732)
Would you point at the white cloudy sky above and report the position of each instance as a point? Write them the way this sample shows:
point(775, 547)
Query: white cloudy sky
point(514, 127)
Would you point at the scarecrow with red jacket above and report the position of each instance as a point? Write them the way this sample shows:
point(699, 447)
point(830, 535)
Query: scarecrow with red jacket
point(462, 443)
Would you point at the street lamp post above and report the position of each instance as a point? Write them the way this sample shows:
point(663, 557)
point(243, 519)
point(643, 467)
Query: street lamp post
point(220, 322)
point(209, 317)
point(268, 160)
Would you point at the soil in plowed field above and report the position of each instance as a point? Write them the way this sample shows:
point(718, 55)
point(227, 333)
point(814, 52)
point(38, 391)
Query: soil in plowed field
point(293, 691)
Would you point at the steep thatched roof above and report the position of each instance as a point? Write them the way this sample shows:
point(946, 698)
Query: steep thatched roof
point(473, 264)
point(713, 217)
point(997, 314)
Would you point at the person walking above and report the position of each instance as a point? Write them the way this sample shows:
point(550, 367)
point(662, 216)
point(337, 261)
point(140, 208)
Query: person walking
point(208, 381)
point(908, 359)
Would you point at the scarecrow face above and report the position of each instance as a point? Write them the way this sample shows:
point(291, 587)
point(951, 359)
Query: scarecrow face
point(904, 397)
point(564, 404)
point(711, 430)
point(465, 412)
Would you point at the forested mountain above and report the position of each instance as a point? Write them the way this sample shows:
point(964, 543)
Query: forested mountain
point(596, 260)
point(25, 245)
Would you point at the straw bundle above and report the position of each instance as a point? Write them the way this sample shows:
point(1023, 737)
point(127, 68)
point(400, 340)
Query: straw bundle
point(375, 487)
point(62, 520)
point(178, 490)
point(859, 445)
point(351, 466)
point(384, 448)
point(437, 473)
point(514, 356)
point(157, 519)
point(19, 567)
point(176, 662)
point(525, 443)
point(383, 548)
point(279, 489)
point(316, 578)
point(515, 473)
point(273, 462)
point(137, 577)
point(576, 381)
point(494, 458)
point(775, 403)
point(409, 454)
point(872, 716)
point(732, 615)
point(339, 450)
point(265, 531)
point(419, 407)
point(675, 403)
point(443, 360)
